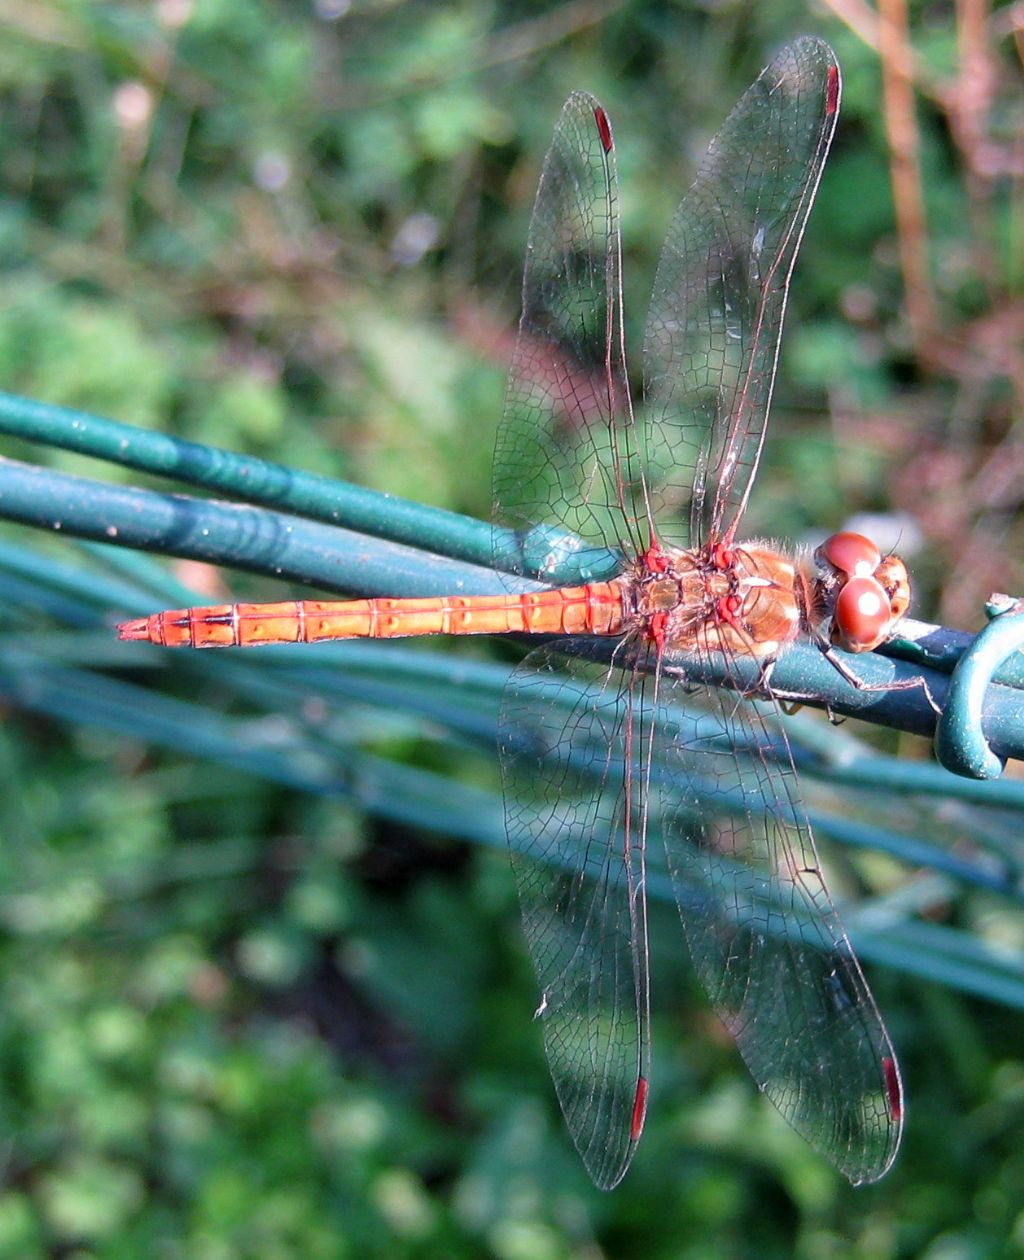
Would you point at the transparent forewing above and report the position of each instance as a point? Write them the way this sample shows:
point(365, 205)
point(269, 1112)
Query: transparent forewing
point(765, 938)
point(561, 460)
point(713, 331)
point(575, 832)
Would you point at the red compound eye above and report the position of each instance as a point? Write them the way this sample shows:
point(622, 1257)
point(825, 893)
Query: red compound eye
point(850, 553)
point(862, 616)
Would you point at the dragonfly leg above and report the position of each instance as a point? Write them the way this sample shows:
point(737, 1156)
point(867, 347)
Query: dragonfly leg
point(899, 684)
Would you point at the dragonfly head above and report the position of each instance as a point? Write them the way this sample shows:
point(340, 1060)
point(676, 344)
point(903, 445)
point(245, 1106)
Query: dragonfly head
point(861, 593)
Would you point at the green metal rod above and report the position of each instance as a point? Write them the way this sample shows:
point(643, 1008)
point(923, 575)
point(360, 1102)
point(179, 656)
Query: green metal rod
point(960, 741)
point(306, 551)
point(420, 798)
point(339, 560)
point(249, 479)
point(371, 512)
point(942, 649)
point(251, 538)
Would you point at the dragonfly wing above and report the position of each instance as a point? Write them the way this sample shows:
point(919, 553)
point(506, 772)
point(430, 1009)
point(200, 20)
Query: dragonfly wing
point(767, 942)
point(576, 839)
point(713, 330)
point(561, 463)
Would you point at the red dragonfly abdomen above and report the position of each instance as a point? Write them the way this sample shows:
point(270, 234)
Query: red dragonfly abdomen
point(593, 609)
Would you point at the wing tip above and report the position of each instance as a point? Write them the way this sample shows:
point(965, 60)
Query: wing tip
point(604, 128)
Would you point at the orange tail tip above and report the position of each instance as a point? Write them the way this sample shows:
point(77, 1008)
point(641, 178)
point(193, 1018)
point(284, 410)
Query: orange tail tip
point(134, 630)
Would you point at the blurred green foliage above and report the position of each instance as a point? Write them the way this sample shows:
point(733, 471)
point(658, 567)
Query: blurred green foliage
point(237, 1020)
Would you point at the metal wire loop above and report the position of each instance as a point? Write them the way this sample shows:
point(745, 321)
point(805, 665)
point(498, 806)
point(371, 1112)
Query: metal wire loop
point(960, 742)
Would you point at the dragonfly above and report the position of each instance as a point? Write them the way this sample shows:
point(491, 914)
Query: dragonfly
point(628, 773)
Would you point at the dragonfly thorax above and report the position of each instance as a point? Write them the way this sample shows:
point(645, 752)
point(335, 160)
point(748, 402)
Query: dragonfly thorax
point(747, 599)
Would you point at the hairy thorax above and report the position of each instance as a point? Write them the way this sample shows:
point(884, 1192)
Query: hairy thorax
point(745, 599)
